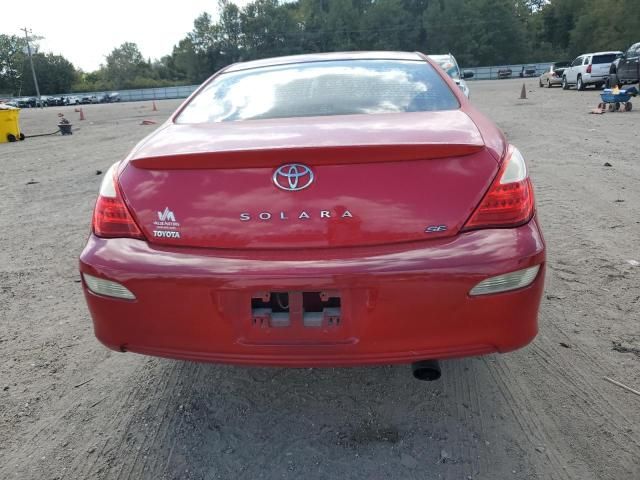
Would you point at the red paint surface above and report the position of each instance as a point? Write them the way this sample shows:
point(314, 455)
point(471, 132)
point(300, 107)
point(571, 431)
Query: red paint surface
point(389, 202)
point(401, 303)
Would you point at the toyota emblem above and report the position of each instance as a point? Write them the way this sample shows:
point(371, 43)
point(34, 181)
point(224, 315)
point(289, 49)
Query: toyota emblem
point(293, 177)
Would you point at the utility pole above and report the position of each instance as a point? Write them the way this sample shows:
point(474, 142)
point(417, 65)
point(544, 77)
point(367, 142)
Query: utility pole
point(33, 70)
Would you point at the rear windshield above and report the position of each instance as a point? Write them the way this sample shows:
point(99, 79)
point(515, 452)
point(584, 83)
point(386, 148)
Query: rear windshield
point(343, 87)
point(608, 58)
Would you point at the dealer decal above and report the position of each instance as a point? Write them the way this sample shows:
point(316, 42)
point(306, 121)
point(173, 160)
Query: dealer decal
point(166, 225)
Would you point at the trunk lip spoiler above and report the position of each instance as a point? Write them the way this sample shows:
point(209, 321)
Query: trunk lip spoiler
point(312, 156)
point(453, 127)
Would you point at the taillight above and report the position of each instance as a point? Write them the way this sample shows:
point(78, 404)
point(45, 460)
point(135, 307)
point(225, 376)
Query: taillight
point(509, 201)
point(589, 69)
point(111, 218)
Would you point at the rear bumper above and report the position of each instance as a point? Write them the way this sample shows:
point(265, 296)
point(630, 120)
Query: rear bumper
point(590, 78)
point(399, 303)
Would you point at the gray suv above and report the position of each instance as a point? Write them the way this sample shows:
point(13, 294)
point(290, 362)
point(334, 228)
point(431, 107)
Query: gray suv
point(626, 69)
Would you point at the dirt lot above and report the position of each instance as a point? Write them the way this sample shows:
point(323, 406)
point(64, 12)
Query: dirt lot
point(71, 409)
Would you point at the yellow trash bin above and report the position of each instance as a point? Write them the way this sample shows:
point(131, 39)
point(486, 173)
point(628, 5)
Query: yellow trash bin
point(9, 125)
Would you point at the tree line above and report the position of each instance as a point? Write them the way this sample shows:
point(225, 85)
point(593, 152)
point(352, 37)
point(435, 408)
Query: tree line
point(477, 32)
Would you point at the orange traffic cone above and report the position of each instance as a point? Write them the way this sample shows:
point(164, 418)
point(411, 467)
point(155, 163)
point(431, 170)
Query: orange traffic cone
point(154, 109)
point(523, 92)
point(81, 114)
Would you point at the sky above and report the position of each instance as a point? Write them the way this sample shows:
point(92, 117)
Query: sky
point(85, 31)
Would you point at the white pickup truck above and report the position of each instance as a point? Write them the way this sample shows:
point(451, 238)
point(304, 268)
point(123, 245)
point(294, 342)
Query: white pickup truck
point(589, 69)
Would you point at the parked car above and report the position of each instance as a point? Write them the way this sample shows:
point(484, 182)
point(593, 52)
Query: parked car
point(449, 64)
point(589, 69)
point(553, 75)
point(388, 221)
point(71, 100)
point(26, 102)
point(99, 98)
point(504, 72)
point(626, 68)
point(113, 97)
point(56, 101)
point(85, 99)
point(528, 71)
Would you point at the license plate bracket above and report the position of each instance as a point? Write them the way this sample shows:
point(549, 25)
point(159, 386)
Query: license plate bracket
point(297, 317)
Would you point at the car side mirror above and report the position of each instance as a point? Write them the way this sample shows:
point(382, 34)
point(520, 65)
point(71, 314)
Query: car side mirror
point(467, 74)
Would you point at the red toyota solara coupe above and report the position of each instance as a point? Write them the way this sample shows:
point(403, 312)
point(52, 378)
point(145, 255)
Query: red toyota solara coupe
point(318, 210)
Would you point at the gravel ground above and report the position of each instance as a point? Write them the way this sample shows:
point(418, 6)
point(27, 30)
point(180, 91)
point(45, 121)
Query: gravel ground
point(71, 409)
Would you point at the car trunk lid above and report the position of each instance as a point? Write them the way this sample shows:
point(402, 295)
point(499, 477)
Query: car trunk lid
point(377, 179)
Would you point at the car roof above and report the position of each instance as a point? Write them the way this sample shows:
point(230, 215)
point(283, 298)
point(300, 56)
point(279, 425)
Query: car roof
point(600, 53)
point(323, 57)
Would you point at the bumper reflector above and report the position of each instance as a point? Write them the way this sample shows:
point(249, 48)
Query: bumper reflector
point(107, 288)
point(506, 282)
